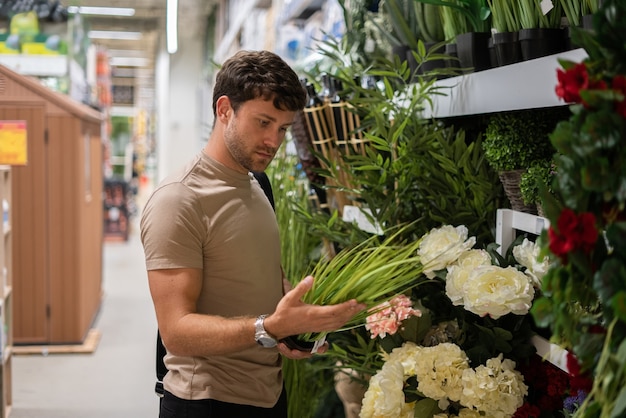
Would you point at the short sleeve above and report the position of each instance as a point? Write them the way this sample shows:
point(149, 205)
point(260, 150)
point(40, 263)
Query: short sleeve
point(173, 228)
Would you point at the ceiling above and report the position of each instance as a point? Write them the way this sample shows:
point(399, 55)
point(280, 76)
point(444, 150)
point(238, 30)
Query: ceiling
point(149, 19)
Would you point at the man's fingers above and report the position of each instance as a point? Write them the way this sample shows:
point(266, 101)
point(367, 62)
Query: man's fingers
point(302, 287)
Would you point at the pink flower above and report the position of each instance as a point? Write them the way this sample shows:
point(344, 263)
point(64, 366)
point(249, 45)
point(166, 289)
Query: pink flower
point(388, 316)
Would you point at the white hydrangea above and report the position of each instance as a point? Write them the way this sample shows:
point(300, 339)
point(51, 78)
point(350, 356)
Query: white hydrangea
point(495, 388)
point(439, 371)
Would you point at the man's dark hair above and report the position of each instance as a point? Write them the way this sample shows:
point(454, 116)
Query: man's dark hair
point(249, 75)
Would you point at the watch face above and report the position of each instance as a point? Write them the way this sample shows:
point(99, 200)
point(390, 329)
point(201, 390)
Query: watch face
point(267, 342)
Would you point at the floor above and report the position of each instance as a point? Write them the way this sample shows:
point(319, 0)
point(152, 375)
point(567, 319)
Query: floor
point(117, 379)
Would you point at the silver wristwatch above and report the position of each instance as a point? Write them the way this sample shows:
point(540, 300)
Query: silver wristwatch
point(261, 336)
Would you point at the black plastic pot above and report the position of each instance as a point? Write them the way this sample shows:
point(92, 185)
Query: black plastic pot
point(540, 42)
point(473, 51)
point(450, 50)
point(296, 343)
point(507, 48)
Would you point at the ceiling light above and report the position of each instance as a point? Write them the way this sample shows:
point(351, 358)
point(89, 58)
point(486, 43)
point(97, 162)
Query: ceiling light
point(126, 53)
point(102, 11)
point(172, 26)
point(128, 61)
point(106, 34)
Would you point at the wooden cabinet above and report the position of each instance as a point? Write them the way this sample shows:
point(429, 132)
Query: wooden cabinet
point(6, 295)
point(56, 213)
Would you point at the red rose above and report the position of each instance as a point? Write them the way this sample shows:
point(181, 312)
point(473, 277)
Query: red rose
point(567, 222)
point(573, 232)
point(571, 82)
point(559, 245)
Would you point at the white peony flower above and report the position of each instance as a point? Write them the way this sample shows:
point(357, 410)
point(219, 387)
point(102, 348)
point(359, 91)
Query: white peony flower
point(442, 246)
point(497, 291)
point(527, 254)
point(459, 272)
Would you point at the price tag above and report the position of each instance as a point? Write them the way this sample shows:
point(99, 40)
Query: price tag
point(318, 344)
point(13, 138)
point(546, 6)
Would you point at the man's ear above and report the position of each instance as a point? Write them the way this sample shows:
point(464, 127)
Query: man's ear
point(223, 109)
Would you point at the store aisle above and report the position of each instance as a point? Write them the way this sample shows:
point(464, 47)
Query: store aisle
point(117, 380)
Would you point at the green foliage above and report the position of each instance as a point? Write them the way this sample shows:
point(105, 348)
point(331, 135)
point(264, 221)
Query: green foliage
point(532, 16)
point(505, 15)
point(584, 290)
point(516, 140)
point(538, 176)
point(415, 168)
point(430, 21)
point(304, 383)
point(475, 11)
point(402, 16)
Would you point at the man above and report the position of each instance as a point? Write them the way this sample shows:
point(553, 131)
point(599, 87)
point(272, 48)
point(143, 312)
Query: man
point(213, 256)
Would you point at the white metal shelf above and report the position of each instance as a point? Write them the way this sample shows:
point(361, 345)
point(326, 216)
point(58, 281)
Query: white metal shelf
point(525, 85)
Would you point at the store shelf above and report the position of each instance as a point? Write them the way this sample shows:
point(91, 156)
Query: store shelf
point(509, 221)
point(36, 65)
point(551, 352)
point(300, 9)
point(525, 85)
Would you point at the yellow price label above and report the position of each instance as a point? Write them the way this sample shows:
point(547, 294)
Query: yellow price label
point(13, 142)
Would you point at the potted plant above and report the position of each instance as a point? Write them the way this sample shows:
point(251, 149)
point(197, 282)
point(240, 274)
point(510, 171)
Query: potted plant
point(538, 177)
point(506, 26)
point(541, 33)
point(399, 26)
point(471, 44)
point(514, 141)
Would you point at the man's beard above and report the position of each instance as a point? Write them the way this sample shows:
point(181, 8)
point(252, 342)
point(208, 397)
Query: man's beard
point(236, 147)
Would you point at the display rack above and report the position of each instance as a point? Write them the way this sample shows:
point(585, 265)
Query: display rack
point(525, 85)
point(6, 286)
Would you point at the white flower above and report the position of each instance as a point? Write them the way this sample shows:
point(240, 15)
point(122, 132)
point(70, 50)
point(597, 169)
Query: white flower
point(495, 388)
point(439, 371)
point(459, 272)
point(527, 254)
point(384, 397)
point(442, 246)
point(497, 291)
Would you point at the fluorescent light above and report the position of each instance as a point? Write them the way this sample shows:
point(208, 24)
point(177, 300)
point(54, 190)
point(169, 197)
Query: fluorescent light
point(128, 61)
point(126, 53)
point(102, 11)
point(106, 34)
point(172, 26)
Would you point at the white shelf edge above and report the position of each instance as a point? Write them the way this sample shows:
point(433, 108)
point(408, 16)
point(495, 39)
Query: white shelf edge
point(36, 65)
point(524, 85)
point(550, 352)
point(508, 221)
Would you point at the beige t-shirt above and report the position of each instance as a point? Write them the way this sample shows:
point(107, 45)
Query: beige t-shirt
point(213, 218)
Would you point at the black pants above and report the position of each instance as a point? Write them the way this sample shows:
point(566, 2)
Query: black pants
point(174, 407)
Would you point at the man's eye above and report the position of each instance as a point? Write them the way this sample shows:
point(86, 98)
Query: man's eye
point(264, 123)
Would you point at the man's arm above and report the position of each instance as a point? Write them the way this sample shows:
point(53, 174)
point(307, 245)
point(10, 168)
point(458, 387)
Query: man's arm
point(185, 332)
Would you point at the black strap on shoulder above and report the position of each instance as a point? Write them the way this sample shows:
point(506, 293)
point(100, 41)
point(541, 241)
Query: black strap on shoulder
point(264, 181)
